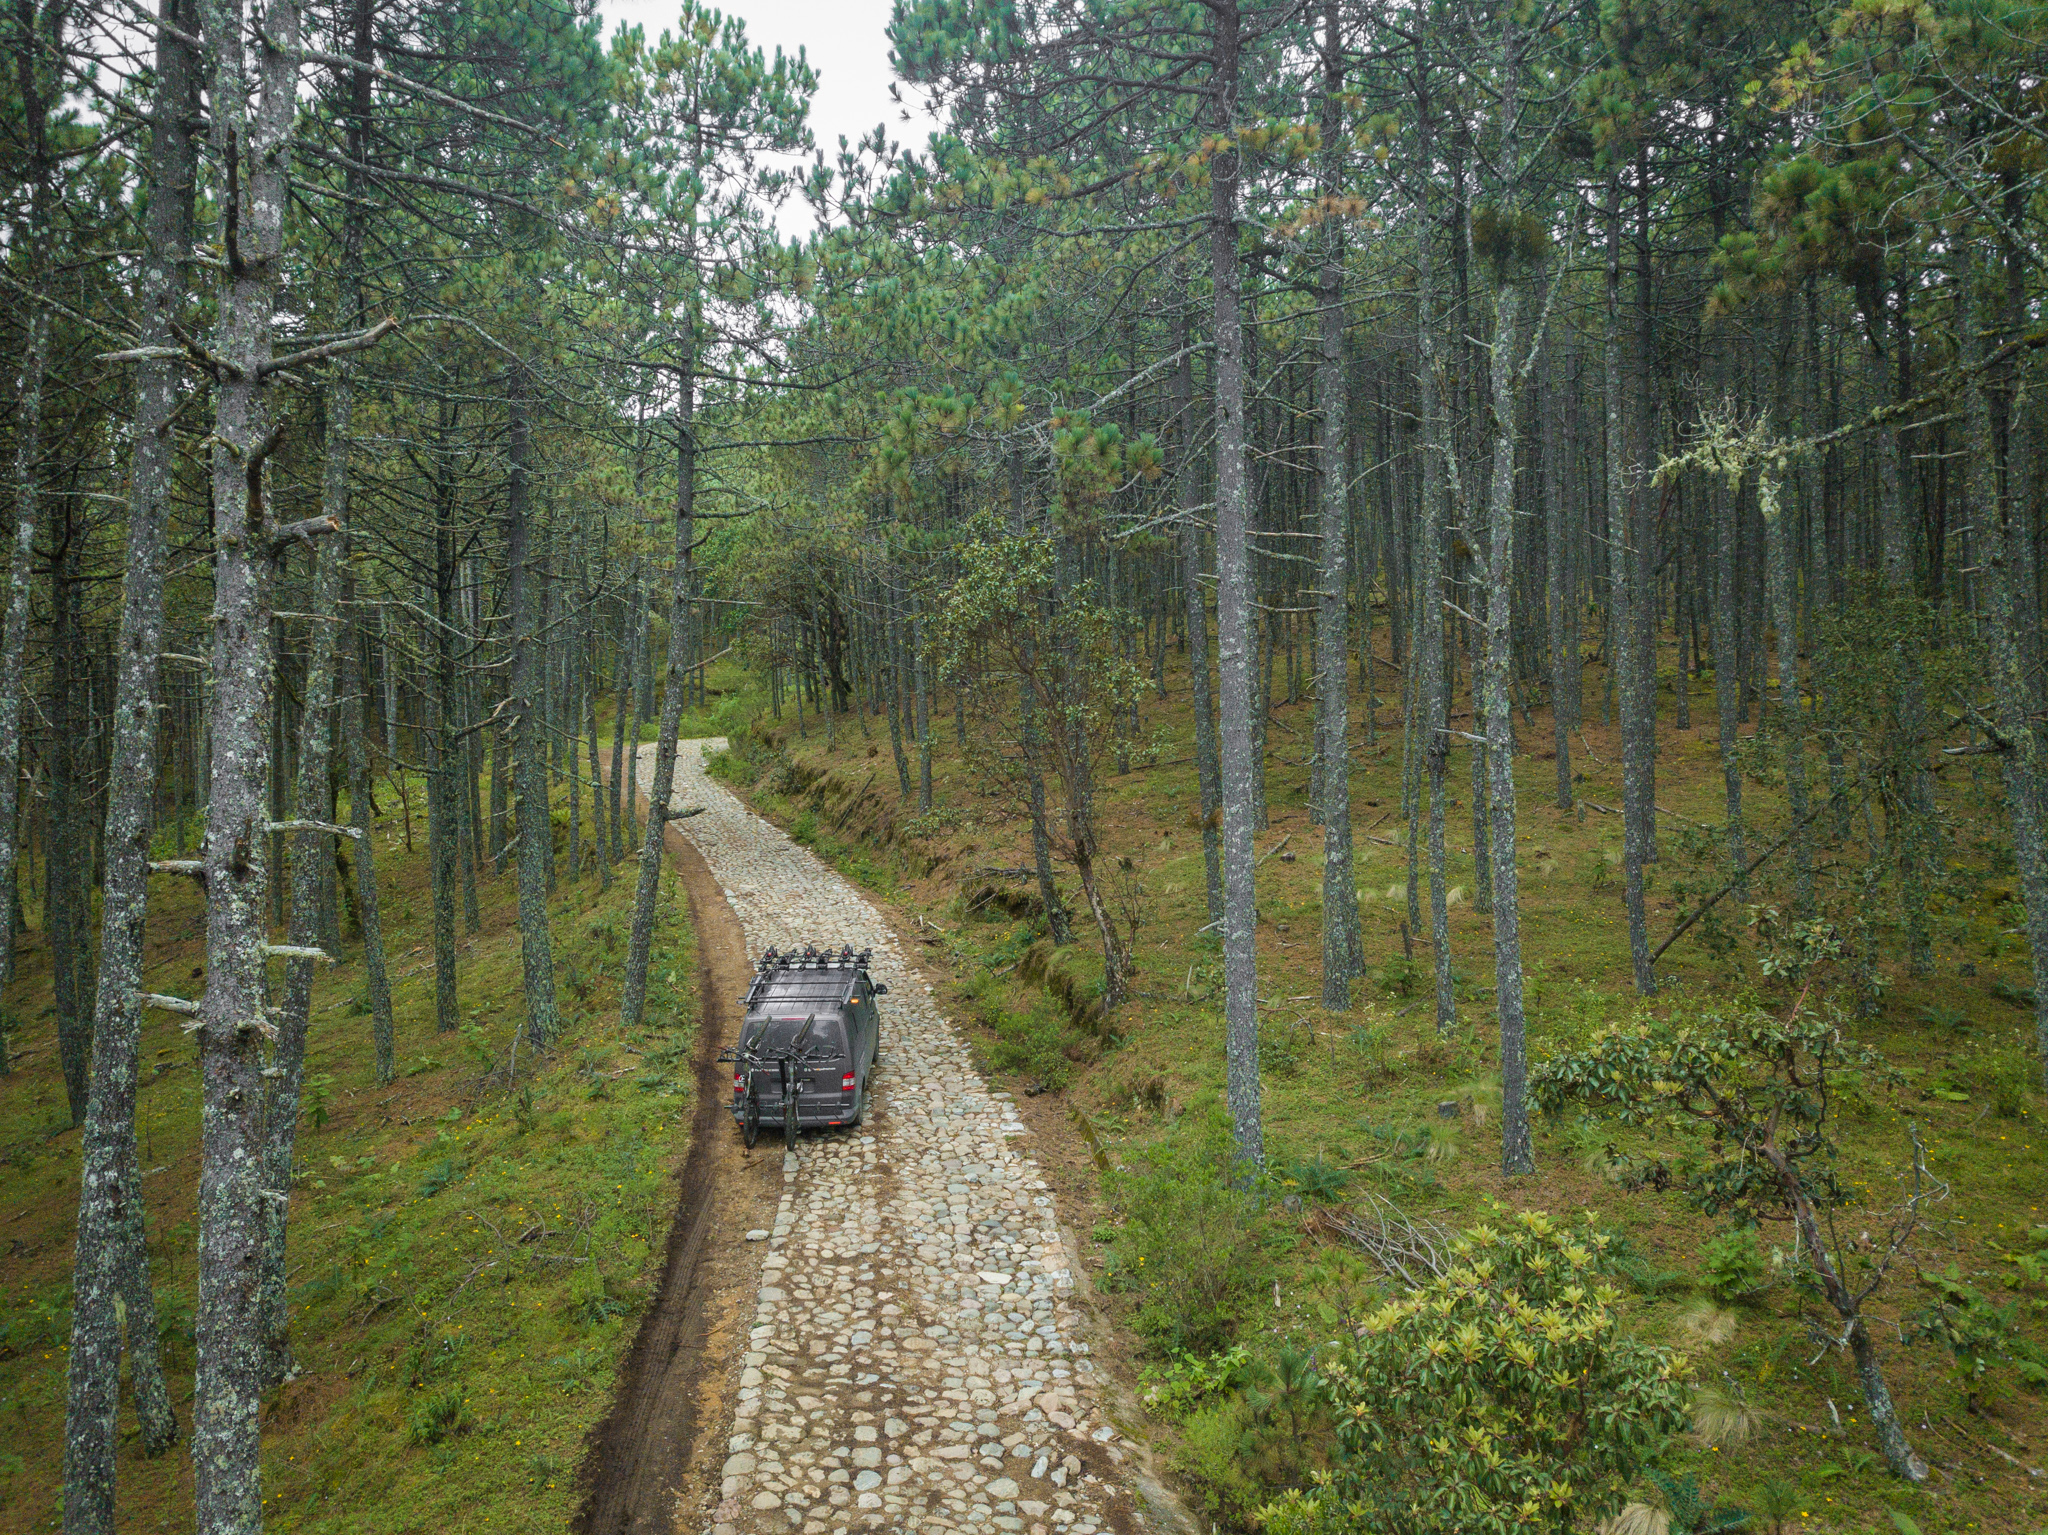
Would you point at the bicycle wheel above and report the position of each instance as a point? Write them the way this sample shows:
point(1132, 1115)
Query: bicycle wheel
point(789, 1119)
point(750, 1121)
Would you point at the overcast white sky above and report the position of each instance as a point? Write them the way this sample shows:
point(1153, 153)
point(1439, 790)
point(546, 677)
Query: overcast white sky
point(847, 43)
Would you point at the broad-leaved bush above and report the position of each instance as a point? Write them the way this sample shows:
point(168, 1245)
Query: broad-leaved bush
point(1502, 1397)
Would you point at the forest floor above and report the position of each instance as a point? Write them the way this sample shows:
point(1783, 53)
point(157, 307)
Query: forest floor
point(1372, 1102)
point(470, 1249)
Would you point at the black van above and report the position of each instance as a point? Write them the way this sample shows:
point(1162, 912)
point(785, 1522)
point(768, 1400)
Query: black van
point(808, 1041)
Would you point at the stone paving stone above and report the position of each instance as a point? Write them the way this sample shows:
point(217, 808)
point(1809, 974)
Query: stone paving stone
point(915, 1362)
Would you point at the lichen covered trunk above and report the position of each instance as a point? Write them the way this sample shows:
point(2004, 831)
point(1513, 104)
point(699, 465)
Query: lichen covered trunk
point(110, 1270)
point(533, 833)
point(1496, 660)
point(376, 979)
point(253, 103)
point(1727, 675)
point(311, 857)
point(1235, 634)
point(1431, 702)
point(1341, 957)
point(1208, 772)
point(28, 416)
point(1562, 619)
point(1624, 652)
point(675, 684)
point(67, 840)
point(2012, 694)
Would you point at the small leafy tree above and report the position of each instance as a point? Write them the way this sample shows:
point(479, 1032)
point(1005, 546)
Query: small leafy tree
point(1501, 1397)
point(1763, 1091)
point(1038, 660)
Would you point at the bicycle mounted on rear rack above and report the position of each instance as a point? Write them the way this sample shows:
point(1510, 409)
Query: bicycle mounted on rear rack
point(809, 1041)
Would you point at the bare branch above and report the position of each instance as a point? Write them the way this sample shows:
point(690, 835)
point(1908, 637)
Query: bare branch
point(347, 344)
point(327, 826)
point(303, 531)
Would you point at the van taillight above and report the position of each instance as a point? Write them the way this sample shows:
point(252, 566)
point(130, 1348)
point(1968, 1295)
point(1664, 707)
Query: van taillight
point(739, 1081)
point(846, 1083)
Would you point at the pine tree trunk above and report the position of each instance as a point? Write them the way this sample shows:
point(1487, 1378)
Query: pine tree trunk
point(469, 816)
point(1623, 652)
point(1236, 636)
point(67, 846)
point(312, 852)
point(377, 980)
point(1724, 503)
point(898, 709)
point(534, 834)
point(387, 678)
point(1431, 688)
point(1560, 611)
point(2012, 696)
point(601, 836)
point(675, 684)
point(1341, 956)
point(572, 726)
point(443, 837)
point(920, 675)
point(252, 106)
point(641, 688)
point(1518, 1155)
point(1058, 923)
point(111, 1289)
point(312, 856)
point(621, 831)
point(31, 234)
point(1482, 793)
point(1781, 600)
point(1208, 771)
point(1914, 801)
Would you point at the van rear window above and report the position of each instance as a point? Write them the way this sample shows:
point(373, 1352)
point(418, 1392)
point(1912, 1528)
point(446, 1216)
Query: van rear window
point(828, 1033)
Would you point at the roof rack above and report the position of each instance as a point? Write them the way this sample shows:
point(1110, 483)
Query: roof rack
point(784, 972)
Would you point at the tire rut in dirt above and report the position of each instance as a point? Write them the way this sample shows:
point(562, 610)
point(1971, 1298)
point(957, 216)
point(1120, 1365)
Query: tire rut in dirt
point(636, 1458)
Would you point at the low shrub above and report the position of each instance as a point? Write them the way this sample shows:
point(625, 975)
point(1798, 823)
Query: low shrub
point(740, 769)
point(1733, 1263)
point(1501, 1397)
point(1032, 1044)
point(1188, 1252)
point(1188, 1381)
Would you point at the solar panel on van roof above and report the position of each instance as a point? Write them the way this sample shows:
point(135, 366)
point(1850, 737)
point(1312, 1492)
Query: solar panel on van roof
point(807, 986)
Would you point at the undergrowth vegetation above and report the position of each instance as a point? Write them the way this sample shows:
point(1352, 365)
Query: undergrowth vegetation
point(470, 1245)
point(1248, 1297)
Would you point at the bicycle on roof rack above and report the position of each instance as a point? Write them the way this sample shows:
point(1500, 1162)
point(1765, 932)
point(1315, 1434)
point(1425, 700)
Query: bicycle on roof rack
point(809, 1042)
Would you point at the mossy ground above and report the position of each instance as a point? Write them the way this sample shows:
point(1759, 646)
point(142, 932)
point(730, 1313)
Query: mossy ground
point(469, 1247)
point(1356, 1101)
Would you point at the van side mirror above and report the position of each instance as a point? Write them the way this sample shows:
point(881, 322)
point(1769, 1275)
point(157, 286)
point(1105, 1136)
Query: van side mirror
point(879, 989)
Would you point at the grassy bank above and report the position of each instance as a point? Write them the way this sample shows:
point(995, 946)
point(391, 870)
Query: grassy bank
point(1228, 1293)
point(470, 1246)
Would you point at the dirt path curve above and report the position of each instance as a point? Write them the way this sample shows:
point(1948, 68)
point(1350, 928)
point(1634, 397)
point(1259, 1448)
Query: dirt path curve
point(914, 1360)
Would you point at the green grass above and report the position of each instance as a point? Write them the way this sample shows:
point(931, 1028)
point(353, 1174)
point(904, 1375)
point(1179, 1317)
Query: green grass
point(733, 697)
point(469, 1253)
point(1352, 1099)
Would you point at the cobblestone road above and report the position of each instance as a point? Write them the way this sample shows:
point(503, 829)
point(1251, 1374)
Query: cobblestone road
point(914, 1363)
